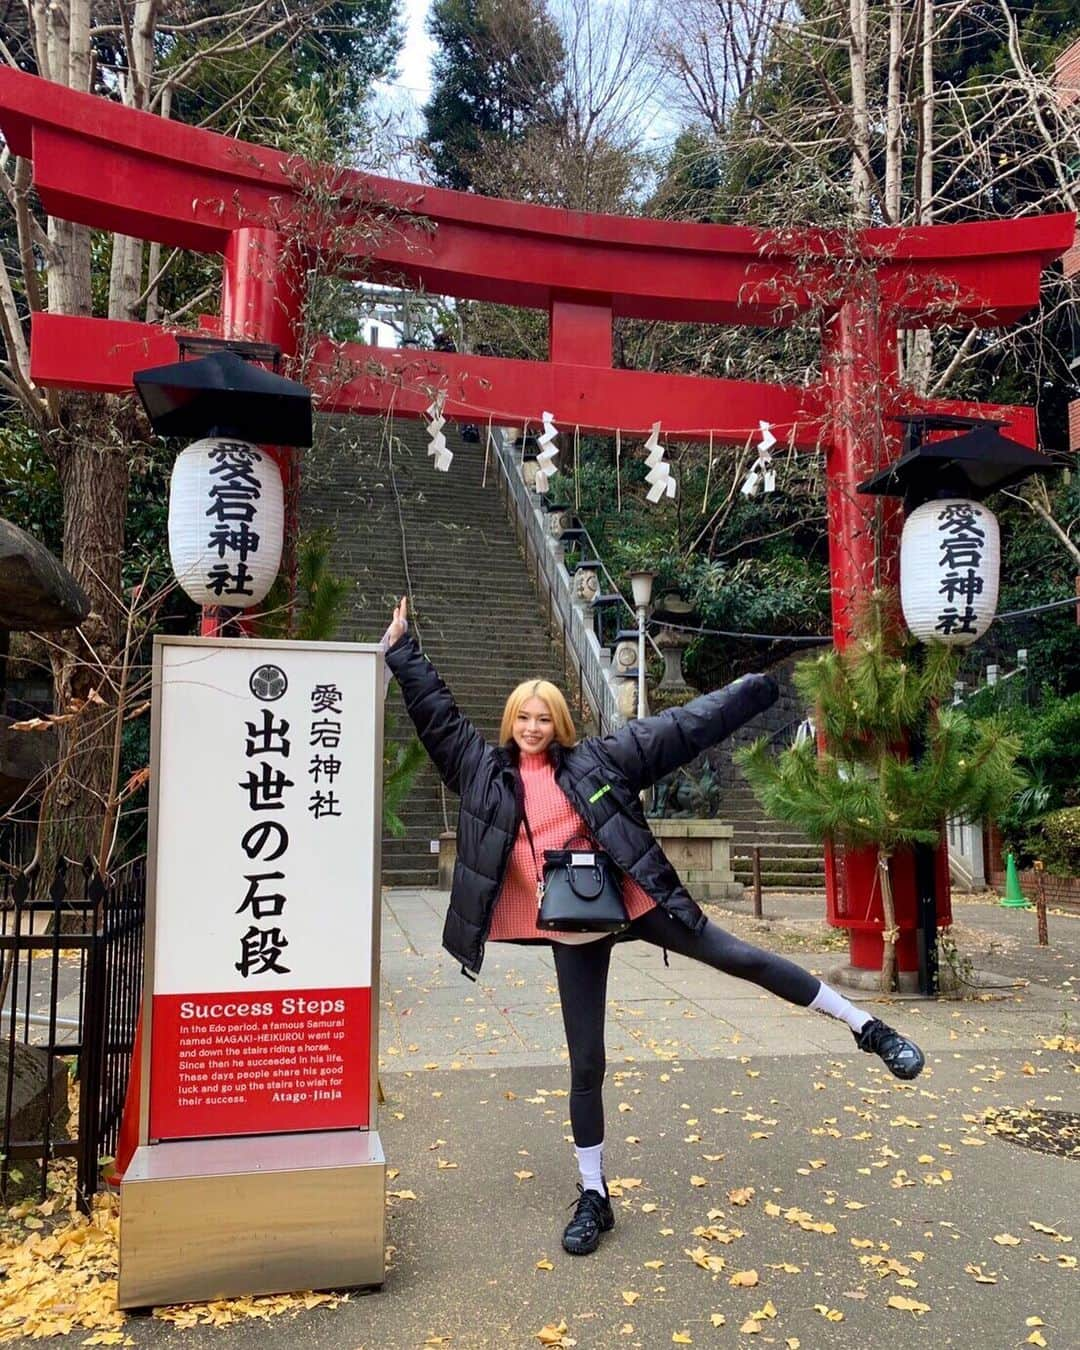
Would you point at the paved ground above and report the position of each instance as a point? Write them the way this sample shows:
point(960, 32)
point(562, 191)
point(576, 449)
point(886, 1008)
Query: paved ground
point(744, 1133)
point(753, 1143)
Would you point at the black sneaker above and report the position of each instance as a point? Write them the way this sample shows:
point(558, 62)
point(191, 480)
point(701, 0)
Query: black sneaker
point(901, 1057)
point(592, 1217)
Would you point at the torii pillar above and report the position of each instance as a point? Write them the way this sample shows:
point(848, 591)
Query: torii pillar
point(861, 367)
point(262, 301)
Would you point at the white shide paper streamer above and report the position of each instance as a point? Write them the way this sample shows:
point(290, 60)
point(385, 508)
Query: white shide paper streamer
point(763, 471)
point(546, 467)
point(659, 476)
point(444, 456)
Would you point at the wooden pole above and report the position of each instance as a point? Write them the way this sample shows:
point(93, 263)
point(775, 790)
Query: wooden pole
point(1040, 904)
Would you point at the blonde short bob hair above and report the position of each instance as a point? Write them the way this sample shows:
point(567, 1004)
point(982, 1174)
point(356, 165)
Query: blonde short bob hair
point(553, 696)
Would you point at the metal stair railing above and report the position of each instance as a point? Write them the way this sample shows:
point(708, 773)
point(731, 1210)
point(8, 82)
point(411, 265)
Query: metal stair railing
point(544, 557)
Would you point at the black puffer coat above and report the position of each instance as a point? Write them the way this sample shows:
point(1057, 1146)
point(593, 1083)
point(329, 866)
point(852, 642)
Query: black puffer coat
point(602, 777)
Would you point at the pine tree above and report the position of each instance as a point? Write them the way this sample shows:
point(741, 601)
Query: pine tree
point(494, 69)
point(898, 759)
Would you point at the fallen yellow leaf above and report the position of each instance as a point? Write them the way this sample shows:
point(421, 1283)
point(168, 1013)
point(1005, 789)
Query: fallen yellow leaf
point(741, 1195)
point(752, 1327)
point(554, 1334)
point(1006, 1240)
point(1036, 1338)
point(681, 1338)
point(698, 1181)
point(830, 1314)
point(545, 1264)
point(718, 1319)
point(630, 1297)
point(744, 1279)
point(911, 1305)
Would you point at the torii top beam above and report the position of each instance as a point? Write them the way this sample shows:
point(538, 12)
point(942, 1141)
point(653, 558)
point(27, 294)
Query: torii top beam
point(100, 164)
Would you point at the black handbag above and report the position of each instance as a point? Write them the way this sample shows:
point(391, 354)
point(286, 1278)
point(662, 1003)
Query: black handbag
point(578, 890)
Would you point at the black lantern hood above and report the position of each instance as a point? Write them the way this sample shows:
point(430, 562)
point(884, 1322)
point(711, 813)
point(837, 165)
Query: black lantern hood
point(225, 393)
point(979, 461)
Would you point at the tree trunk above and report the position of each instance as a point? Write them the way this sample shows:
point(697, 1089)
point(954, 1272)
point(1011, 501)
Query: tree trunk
point(921, 341)
point(858, 43)
point(894, 163)
point(92, 464)
point(891, 932)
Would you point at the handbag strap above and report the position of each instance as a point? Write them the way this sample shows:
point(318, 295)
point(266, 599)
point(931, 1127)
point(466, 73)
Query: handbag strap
point(536, 861)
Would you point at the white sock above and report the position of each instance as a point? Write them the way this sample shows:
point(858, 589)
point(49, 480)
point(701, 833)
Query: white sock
point(591, 1165)
point(827, 1000)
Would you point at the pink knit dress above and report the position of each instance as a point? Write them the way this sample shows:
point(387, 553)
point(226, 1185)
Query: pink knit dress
point(553, 821)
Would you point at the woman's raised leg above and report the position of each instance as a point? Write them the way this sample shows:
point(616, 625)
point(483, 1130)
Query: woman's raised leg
point(721, 950)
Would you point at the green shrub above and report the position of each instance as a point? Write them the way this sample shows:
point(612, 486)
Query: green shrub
point(1056, 841)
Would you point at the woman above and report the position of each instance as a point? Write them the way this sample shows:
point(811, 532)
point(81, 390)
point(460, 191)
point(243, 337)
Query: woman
point(535, 790)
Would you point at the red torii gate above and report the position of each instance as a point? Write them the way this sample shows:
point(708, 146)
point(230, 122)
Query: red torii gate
point(100, 164)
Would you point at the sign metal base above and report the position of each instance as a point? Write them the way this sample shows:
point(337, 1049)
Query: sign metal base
point(220, 1218)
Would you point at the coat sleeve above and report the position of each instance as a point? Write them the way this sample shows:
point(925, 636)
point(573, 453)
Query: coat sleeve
point(454, 744)
point(649, 748)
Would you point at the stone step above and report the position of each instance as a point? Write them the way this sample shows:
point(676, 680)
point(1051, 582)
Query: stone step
point(770, 848)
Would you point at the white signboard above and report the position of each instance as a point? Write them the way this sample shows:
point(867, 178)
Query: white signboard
point(266, 821)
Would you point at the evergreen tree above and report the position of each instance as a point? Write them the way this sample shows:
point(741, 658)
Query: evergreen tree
point(495, 70)
point(871, 702)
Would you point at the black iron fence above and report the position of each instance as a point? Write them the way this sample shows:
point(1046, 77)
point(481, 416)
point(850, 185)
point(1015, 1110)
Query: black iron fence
point(71, 959)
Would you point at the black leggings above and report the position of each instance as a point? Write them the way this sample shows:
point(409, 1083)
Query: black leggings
point(582, 971)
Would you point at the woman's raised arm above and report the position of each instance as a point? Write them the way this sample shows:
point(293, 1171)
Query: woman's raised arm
point(649, 748)
point(453, 743)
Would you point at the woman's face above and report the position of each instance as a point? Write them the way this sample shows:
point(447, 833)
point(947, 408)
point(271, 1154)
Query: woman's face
point(534, 727)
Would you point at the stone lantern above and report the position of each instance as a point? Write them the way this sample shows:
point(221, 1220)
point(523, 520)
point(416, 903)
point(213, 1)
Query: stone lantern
point(586, 584)
point(669, 617)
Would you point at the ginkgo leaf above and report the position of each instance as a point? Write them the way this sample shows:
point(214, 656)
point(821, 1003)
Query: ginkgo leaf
point(1050, 1232)
point(1006, 1240)
point(744, 1279)
point(545, 1264)
point(830, 1314)
point(718, 1319)
point(681, 1338)
point(911, 1305)
point(698, 1181)
point(630, 1297)
point(554, 1334)
point(751, 1327)
point(741, 1195)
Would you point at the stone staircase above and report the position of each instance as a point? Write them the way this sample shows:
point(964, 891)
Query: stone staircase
point(473, 603)
point(789, 861)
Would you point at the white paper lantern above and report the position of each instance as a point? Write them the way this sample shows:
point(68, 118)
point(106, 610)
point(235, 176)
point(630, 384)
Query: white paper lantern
point(950, 562)
point(226, 522)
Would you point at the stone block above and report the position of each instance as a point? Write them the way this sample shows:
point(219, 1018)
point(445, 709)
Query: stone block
point(36, 591)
